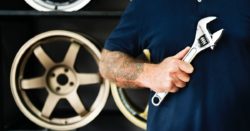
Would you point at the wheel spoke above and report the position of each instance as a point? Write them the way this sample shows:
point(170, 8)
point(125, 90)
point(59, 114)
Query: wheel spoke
point(76, 103)
point(88, 78)
point(144, 114)
point(33, 83)
point(71, 54)
point(43, 57)
point(50, 105)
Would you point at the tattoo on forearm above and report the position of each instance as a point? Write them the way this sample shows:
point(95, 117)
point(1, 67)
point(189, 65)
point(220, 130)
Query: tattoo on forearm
point(120, 68)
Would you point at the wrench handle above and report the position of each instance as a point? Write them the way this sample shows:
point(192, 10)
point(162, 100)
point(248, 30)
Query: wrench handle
point(159, 97)
point(190, 55)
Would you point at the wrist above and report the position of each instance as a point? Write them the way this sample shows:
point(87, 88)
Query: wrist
point(144, 79)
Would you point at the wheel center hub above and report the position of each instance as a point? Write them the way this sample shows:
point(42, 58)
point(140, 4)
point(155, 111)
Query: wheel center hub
point(62, 80)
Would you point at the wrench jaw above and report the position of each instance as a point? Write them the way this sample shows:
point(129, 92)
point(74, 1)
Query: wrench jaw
point(202, 30)
point(215, 37)
point(203, 37)
point(203, 22)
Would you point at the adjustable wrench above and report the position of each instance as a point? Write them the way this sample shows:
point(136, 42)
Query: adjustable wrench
point(203, 40)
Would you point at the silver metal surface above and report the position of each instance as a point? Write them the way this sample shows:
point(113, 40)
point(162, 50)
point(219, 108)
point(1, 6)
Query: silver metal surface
point(52, 5)
point(203, 40)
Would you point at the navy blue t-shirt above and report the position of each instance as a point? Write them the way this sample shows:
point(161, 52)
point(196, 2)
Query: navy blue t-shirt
point(217, 98)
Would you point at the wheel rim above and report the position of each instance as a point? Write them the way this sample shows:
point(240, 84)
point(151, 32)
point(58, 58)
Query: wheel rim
point(57, 5)
point(60, 80)
point(123, 102)
point(139, 118)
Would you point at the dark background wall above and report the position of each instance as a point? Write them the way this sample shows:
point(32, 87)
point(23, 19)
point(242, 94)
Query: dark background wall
point(19, 22)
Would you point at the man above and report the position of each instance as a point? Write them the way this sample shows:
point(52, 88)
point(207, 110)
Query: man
point(216, 96)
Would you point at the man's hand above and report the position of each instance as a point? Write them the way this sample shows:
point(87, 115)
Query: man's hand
point(168, 76)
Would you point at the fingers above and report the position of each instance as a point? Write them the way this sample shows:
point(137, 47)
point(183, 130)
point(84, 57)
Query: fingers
point(174, 82)
point(186, 67)
point(178, 83)
point(174, 73)
point(179, 80)
point(174, 90)
point(179, 75)
point(182, 53)
point(183, 76)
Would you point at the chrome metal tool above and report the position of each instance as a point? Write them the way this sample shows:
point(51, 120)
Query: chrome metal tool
point(203, 40)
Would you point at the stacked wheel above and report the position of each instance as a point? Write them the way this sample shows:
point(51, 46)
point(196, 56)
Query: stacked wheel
point(135, 112)
point(57, 5)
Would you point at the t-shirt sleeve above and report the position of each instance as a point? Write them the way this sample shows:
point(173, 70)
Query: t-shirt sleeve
point(125, 37)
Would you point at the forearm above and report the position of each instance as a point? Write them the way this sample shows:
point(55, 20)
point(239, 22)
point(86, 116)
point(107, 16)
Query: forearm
point(122, 69)
point(168, 76)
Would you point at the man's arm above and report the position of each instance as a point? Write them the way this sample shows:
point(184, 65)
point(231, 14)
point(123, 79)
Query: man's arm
point(168, 76)
point(121, 68)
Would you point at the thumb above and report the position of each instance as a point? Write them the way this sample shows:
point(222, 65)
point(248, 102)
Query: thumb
point(182, 53)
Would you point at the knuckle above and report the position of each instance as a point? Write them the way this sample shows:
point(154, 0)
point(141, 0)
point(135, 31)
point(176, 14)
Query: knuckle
point(176, 62)
point(168, 59)
point(173, 61)
point(173, 69)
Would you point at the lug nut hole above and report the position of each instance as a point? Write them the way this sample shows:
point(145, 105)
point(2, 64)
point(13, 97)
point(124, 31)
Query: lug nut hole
point(53, 74)
point(58, 89)
point(71, 83)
